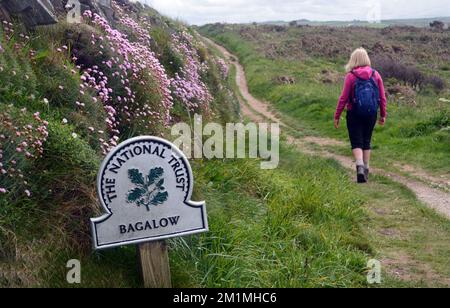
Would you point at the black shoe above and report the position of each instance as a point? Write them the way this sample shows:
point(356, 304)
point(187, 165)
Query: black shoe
point(361, 174)
point(367, 173)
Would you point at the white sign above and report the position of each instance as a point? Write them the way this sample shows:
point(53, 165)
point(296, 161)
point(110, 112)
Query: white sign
point(145, 185)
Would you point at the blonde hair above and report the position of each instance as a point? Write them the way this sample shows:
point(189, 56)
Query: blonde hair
point(359, 57)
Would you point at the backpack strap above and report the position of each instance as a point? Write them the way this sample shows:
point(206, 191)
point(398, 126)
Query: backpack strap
point(372, 76)
point(353, 94)
point(354, 74)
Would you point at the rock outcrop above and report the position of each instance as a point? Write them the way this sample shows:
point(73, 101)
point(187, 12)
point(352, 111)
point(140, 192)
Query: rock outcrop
point(44, 12)
point(31, 12)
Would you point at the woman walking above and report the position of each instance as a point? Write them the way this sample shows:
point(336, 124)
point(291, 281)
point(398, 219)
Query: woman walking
point(363, 95)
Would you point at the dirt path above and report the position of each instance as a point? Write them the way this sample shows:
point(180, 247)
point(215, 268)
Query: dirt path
point(258, 111)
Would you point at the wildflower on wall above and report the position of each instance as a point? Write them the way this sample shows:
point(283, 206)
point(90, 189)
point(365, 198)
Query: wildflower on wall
point(187, 85)
point(223, 67)
point(135, 66)
point(22, 138)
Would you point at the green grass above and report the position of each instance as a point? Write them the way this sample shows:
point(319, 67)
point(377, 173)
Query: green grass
point(417, 135)
point(268, 229)
point(275, 228)
point(302, 225)
point(402, 228)
point(279, 229)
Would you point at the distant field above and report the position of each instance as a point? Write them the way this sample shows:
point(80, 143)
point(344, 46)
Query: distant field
point(419, 22)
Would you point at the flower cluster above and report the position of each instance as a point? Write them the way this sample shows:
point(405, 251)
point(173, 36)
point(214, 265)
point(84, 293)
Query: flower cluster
point(148, 63)
point(223, 67)
point(95, 79)
point(8, 29)
point(187, 85)
point(134, 64)
point(19, 143)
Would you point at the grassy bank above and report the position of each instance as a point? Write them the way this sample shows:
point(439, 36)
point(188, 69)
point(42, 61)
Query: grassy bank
point(268, 229)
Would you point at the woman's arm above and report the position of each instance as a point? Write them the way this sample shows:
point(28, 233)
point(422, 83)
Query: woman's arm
point(383, 100)
point(345, 97)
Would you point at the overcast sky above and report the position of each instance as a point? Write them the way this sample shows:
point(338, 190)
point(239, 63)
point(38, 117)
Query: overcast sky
point(240, 11)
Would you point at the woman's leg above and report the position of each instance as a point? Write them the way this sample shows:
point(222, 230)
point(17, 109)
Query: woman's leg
point(367, 154)
point(359, 157)
point(368, 132)
point(356, 134)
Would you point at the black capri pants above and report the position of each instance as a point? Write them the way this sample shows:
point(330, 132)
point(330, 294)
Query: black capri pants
point(360, 130)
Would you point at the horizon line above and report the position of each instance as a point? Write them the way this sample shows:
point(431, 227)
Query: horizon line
point(323, 21)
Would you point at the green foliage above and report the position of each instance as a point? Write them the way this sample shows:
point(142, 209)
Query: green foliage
point(145, 95)
point(172, 61)
point(225, 104)
point(57, 84)
point(435, 124)
point(274, 228)
point(61, 183)
point(67, 160)
point(17, 78)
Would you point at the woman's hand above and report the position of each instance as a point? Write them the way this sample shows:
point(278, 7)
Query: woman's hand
point(382, 121)
point(336, 123)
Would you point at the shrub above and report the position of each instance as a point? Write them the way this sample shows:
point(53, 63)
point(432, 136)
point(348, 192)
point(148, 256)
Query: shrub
point(141, 100)
point(390, 68)
point(224, 103)
point(171, 60)
point(409, 75)
point(438, 25)
point(437, 82)
point(56, 82)
point(434, 124)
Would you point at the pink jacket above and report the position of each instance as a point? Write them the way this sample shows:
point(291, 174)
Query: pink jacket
point(349, 89)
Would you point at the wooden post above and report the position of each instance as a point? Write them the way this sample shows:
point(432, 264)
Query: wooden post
point(154, 263)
